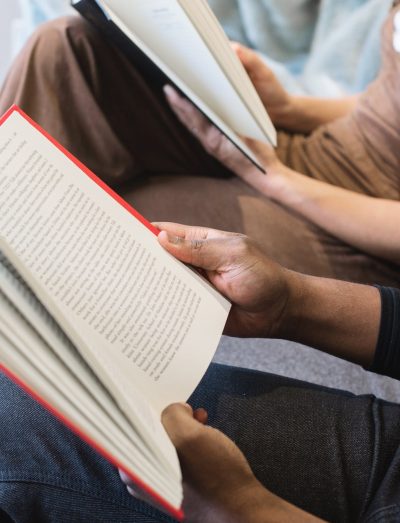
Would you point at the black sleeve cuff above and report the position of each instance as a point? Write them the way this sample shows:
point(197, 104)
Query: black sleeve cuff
point(387, 355)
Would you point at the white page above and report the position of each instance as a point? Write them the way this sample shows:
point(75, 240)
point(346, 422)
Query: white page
point(16, 362)
point(196, 100)
point(215, 38)
point(33, 313)
point(165, 33)
point(37, 354)
point(53, 215)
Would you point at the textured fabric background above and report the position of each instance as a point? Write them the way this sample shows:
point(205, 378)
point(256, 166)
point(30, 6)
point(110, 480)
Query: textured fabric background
point(320, 47)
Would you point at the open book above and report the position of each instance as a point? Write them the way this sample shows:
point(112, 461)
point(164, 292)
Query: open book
point(97, 321)
point(184, 39)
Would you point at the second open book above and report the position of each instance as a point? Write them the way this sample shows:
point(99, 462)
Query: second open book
point(97, 321)
point(184, 39)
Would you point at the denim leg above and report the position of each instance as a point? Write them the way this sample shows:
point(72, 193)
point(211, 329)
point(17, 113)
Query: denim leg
point(329, 452)
point(48, 475)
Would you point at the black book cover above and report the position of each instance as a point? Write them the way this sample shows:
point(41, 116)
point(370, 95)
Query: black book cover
point(92, 11)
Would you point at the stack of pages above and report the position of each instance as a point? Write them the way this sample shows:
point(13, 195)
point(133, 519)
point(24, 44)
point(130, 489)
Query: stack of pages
point(97, 321)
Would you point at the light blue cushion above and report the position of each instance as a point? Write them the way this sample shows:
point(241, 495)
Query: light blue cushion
point(318, 47)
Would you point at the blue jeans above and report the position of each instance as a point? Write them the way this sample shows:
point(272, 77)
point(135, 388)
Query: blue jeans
point(330, 452)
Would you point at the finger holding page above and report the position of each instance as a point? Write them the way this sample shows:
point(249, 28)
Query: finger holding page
point(190, 232)
point(204, 253)
point(177, 431)
point(183, 231)
point(208, 135)
point(137, 492)
point(187, 113)
point(214, 251)
point(251, 61)
point(222, 149)
point(211, 138)
point(206, 249)
point(273, 95)
point(217, 478)
point(234, 264)
point(196, 446)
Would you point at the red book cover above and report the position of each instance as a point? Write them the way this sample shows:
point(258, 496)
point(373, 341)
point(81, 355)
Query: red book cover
point(167, 507)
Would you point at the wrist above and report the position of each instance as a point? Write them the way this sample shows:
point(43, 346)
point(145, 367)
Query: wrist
point(289, 114)
point(325, 314)
point(282, 113)
point(296, 285)
point(304, 114)
point(281, 183)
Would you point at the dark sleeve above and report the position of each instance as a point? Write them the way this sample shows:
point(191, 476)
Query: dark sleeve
point(387, 355)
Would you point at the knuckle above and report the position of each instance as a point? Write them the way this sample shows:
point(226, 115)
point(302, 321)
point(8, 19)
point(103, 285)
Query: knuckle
point(244, 245)
point(214, 141)
point(197, 246)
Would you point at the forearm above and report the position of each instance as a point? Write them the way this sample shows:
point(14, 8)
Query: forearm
point(336, 317)
point(308, 113)
point(369, 224)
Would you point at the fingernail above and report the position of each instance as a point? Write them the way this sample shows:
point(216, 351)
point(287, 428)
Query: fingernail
point(174, 239)
point(170, 238)
point(168, 91)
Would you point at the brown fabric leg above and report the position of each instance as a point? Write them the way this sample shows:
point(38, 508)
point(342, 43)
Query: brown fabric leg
point(97, 105)
point(104, 111)
point(284, 236)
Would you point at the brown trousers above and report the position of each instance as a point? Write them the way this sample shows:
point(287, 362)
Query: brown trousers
point(111, 114)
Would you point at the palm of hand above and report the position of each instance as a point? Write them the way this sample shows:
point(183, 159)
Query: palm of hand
point(214, 142)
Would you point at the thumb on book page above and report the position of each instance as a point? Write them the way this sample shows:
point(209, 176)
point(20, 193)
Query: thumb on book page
point(205, 253)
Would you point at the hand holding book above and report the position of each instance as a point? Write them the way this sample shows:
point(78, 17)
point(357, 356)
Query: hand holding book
point(231, 494)
point(183, 41)
point(218, 482)
point(277, 101)
point(257, 287)
point(219, 146)
point(97, 321)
